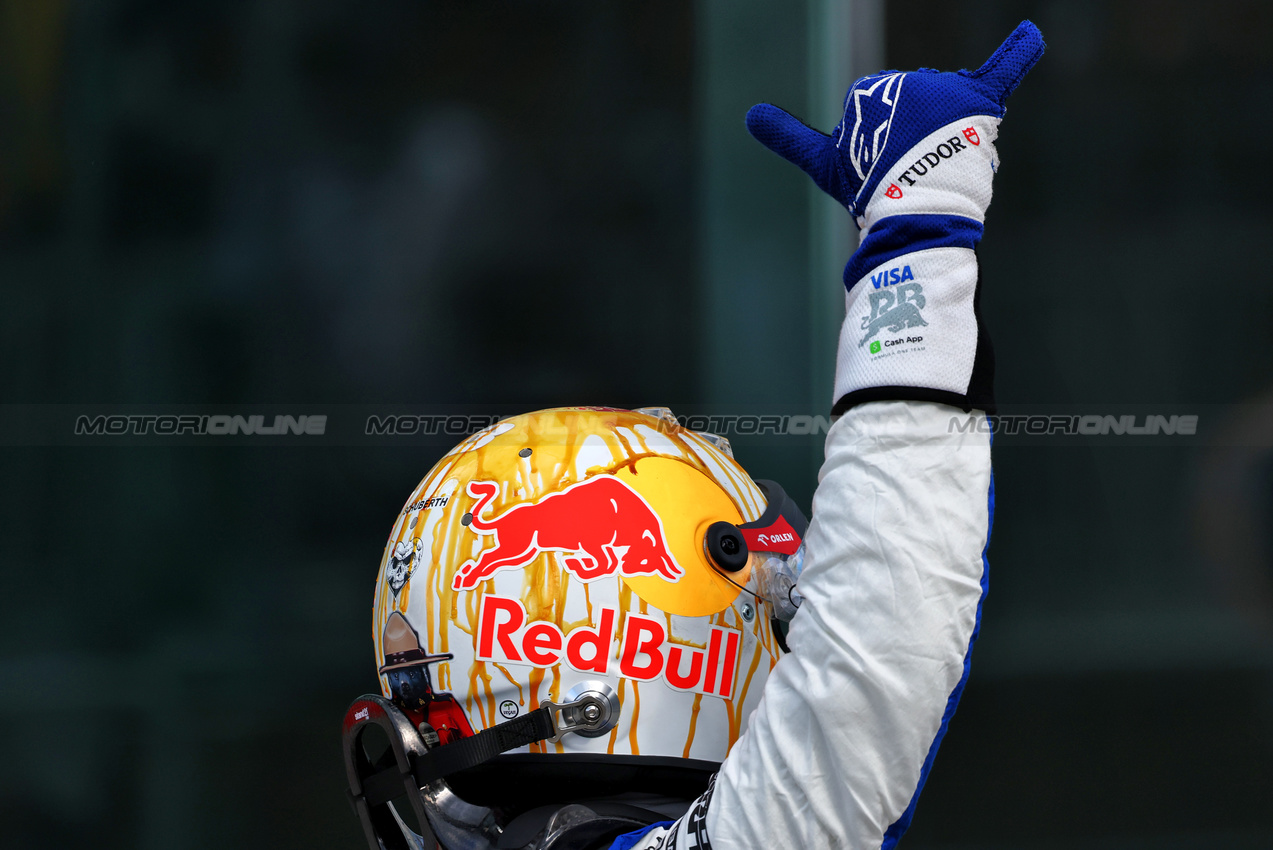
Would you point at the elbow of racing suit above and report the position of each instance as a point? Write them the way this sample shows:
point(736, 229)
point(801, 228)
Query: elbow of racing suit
point(839, 746)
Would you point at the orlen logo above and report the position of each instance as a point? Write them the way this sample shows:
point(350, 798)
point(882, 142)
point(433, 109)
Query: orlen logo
point(601, 525)
point(645, 654)
point(779, 537)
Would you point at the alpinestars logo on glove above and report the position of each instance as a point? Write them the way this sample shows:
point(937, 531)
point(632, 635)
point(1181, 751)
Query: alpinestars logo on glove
point(873, 109)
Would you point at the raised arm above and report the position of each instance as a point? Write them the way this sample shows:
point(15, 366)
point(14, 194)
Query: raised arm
point(838, 749)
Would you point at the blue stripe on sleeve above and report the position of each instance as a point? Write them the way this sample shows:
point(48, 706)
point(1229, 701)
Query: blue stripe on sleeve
point(894, 832)
point(628, 839)
point(896, 235)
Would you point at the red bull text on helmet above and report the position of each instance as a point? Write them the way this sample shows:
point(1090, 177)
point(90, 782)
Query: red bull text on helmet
point(645, 652)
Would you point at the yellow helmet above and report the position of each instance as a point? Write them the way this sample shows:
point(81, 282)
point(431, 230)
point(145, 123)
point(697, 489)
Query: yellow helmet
point(606, 569)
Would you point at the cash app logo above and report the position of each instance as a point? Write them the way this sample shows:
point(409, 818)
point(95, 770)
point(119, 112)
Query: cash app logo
point(875, 347)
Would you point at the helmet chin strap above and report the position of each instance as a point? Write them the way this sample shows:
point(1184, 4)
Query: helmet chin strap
point(418, 771)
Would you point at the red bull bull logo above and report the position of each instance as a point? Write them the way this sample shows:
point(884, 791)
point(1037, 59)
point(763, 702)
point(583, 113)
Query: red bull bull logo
point(645, 652)
point(601, 527)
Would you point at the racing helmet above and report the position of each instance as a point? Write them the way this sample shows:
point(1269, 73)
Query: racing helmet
point(575, 614)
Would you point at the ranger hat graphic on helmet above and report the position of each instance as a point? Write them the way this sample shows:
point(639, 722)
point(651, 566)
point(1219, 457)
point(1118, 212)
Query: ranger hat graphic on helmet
point(597, 591)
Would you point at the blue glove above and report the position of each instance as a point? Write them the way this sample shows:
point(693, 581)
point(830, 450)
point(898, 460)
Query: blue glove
point(912, 160)
point(888, 114)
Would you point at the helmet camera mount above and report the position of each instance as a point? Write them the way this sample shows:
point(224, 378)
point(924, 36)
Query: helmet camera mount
point(780, 528)
point(725, 547)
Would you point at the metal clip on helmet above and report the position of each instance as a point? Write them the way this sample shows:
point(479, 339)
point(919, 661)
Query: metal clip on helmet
point(590, 588)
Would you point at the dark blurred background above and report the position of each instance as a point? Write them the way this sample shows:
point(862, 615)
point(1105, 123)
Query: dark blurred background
point(522, 204)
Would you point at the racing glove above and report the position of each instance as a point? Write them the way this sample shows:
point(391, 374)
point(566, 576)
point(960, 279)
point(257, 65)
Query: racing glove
point(912, 160)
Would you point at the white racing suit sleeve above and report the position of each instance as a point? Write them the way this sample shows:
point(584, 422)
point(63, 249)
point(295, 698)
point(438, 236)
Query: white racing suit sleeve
point(841, 742)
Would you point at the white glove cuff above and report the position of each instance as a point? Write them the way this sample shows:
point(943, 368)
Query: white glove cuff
point(911, 323)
